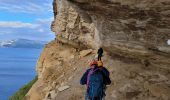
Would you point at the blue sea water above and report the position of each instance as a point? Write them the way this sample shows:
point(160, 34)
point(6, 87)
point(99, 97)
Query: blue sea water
point(17, 68)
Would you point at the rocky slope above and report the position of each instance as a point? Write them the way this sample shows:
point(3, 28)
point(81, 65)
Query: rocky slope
point(134, 35)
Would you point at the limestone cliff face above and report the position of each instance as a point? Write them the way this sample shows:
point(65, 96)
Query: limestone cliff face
point(134, 35)
point(70, 27)
point(135, 29)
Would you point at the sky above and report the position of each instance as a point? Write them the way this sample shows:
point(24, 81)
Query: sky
point(26, 19)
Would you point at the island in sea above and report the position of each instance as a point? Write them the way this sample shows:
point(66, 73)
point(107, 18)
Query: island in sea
point(22, 43)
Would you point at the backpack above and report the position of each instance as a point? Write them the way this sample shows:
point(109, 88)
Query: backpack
point(95, 83)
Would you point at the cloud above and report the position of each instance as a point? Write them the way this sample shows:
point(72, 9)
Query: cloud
point(45, 20)
point(26, 6)
point(17, 24)
point(41, 30)
point(38, 30)
point(29, 19)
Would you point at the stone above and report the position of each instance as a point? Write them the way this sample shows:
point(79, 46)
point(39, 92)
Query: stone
point(53, 94)
point(50, 95)
point(60, 89)
point(164, 49)
point(84, 53)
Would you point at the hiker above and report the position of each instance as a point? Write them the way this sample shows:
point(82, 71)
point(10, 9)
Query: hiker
point(100, 52)
point(95, 78)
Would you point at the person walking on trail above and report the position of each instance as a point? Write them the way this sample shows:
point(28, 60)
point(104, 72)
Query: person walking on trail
point(95, 78)
point(100, 53)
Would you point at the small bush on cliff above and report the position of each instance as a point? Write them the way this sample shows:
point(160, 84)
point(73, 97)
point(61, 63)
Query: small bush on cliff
point(20, 94)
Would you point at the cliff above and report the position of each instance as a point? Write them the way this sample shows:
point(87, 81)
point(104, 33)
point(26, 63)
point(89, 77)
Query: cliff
point(134, 35)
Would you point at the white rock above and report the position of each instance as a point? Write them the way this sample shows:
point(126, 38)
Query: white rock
point(63, 88)
point(84, 53)
point(53, 94)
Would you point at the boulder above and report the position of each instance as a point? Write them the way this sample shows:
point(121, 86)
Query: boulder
point(51, 95)
point(63, 88)
point(84, 53)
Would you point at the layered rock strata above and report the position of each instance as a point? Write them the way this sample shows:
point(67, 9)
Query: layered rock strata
point(134, 35)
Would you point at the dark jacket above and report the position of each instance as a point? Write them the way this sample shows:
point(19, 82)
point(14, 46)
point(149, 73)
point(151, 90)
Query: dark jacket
point(105, 74)
point(100, 51)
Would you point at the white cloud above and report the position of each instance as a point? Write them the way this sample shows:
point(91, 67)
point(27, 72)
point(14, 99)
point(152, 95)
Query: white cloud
point(17, 24)
point(45, 21)
point(41, 25)
point(32, 7)
point(35, 25)
point(41, 30)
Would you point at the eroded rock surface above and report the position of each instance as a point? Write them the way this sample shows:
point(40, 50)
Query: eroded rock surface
point(134, 35)
point(132, 29)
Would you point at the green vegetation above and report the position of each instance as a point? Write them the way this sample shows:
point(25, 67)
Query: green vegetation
point(20, 94)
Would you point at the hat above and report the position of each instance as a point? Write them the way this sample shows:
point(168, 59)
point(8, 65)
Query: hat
point(94, 62)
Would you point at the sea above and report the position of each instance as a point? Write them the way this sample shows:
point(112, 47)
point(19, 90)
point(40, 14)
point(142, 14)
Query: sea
point(17, 68)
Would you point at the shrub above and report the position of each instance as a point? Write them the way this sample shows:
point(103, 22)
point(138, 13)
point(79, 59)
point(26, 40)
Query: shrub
point(20, 94)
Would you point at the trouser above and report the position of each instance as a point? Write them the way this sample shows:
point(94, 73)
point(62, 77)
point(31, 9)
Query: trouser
point(99, 57)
